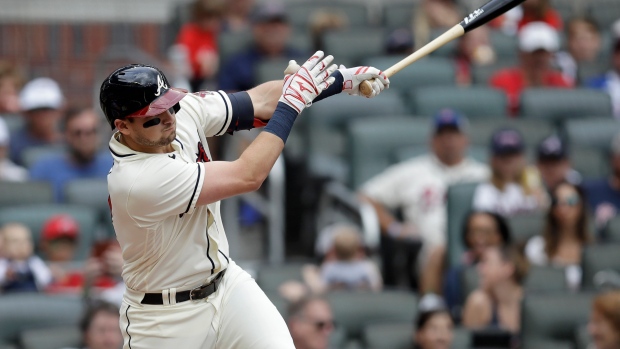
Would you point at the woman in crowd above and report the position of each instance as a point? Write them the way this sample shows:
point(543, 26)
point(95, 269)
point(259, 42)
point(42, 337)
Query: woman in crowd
point(565, 234)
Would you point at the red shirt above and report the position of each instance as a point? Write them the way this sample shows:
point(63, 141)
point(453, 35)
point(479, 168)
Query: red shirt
point(196, 40)
point(551, 17)
point(512, 81)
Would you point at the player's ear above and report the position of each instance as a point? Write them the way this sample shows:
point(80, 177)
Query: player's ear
point(121, 126)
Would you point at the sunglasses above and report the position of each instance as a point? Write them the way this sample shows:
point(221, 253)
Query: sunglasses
point(84, 132)
point(570, 201)
point(321, 325)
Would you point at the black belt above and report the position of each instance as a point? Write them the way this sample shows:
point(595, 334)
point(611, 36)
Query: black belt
point(199, 292)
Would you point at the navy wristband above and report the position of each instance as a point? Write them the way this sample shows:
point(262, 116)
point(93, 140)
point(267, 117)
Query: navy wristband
point(334, 89)
point(281, 121)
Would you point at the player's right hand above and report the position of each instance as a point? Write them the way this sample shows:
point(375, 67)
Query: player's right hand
point(302, 87)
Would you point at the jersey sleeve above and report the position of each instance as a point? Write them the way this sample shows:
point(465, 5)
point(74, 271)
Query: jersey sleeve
point(212, 109)
point(165, 187)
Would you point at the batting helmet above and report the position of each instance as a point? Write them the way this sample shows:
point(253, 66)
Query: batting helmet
point(137, 90)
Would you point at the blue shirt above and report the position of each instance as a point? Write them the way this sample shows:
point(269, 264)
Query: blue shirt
point(239, 73)
point(20, 141)
point(599, 192)
point(59, 170)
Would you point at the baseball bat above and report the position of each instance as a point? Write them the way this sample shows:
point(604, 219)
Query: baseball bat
point(484, 14)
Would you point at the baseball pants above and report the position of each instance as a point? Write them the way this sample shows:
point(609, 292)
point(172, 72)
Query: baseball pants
point(237, 316)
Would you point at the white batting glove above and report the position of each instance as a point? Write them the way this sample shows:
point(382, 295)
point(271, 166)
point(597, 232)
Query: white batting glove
point(302, 87)
point(353, 77)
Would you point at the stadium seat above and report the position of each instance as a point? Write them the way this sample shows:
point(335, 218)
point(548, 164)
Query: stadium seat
point(605, 13)
point(25, 193)
point(398, 15)
point(596, 133)
point(435, 71)
point(31, 155)
point(524, 226)
point(553, 317)
point(272, 69)
point(448, 50)
point(533, 131)
point(355, 310)
point(231, 43)
point(582, 337)
point(590, 162)
point(325, 126)
point(561, 104)
point(14, 123)
point(399, 336)
point(481, 74)
point(33, 310)
point(354, 45)
point(7, 346)
point(505, 45)
point(34, 216)
point(269, 278)
point(91, 193)
point(475, 102)
point(51, 338)
point(477, 152)
point(459, 201)
point(597, 258)
point(372, 143)
point(613, 230)
point(301, 14)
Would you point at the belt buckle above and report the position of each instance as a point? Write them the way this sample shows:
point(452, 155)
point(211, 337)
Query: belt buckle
point(197, 290)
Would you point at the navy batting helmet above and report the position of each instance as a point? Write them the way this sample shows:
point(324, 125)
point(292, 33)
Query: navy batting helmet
point(137, 90)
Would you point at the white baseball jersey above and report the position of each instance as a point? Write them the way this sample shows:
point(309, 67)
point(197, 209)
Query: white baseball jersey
point(168, 241)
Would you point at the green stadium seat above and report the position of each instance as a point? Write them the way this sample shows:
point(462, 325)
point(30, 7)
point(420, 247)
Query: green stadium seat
point(25, 193)
point(356, 310)
point(27, 311)
point(595, 132)
point(582, 338)
point(590, 162)
point(51, 338)
point(34, 216)
point(562, 104)
point(613, 230)
point(398, 15)
point(231, 43)
point(553, 317)
point(477, 152)
point(524, 226)
point(597, 258)
point(14, 123)
point(91, 193)
point(506, 46)
point(302, 13)
point(533, 131)
point(269, 278)
point(7, 346)
point(435, 71)
point(475, 102)
point(272, 69)
point(448, 50)
point(481, 74)
point(459, 202)
point(605, 13)
point(399, 336)
point(31, 156)
point(372, 143)
point(354, 45)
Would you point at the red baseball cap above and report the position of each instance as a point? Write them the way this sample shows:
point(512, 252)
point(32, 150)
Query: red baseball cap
point(60, 226)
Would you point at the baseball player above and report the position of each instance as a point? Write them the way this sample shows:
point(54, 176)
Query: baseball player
point(182, 289)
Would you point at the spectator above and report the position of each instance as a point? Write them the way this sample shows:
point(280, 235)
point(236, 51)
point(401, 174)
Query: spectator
point(474, 49)
point(481, 231)
point(83, 158)
point(59, 242)
point(423, 199)
point(100, 327)
point(42, 102)
point(20, 269)
point(509, 191)
point(8, 170)
point(399, 42)
point(553, 163)
point(434, 14)
point(604, 325)
point(199, 38)
point(237, 17)
point(434, 326)
point(537, 43)
point(310, 322)
point(604, 194)
point(583, 47)
point(565, 234)
point(540, 11)
point(497, 301)
point(10, 83)
point(610, 81)
point(271, 33)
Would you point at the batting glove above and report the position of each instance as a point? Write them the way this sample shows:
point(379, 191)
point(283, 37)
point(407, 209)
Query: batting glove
point(353, 77)
point(302, 87)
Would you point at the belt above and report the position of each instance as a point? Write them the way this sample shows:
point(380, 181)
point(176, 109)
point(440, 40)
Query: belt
point(199, 292)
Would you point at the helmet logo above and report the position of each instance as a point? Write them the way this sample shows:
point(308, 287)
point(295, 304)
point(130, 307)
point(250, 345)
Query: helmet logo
point(160, 84)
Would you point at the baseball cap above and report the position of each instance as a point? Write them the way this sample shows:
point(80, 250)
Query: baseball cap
point(399, 40)
point(270, 12)
point(552, 148)
point(4, 133)
point(447, 117)
point(538, 35)
point(507, 141)
point(41, 93)
point(60, 226)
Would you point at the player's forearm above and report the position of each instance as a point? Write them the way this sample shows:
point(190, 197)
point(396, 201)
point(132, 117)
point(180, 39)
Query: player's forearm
point(265, 99)
point(386, 218)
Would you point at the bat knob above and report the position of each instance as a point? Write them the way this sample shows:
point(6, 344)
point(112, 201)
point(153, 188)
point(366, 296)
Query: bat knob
point(366, 88)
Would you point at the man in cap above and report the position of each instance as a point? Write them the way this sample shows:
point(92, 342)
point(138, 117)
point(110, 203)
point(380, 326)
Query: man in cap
point(537, 43)
point(553, 163)
point(182, 288)
point(610, 81)
point(42, 102)
point(418, 187)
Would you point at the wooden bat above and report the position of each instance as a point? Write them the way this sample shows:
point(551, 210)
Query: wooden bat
point(484, 14)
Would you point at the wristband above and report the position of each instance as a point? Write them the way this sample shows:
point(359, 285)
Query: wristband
point(333, 89)
point(282, 121)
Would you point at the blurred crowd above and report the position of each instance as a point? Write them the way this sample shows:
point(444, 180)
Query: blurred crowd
point(43, 139)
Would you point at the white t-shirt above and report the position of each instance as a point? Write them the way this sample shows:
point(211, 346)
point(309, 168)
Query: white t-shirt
point(418, 186)
point(168, 241)
point(535, 253)
point(512, 200)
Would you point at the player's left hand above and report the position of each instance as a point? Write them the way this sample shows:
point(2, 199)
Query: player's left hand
point(353, 77)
